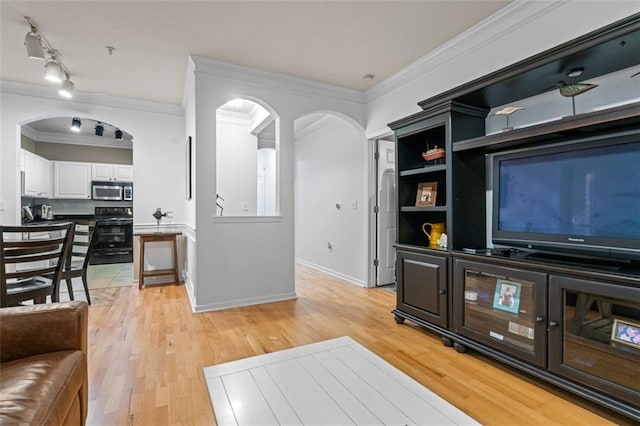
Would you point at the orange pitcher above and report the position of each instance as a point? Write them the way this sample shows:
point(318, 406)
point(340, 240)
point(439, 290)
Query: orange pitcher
point(435, 231)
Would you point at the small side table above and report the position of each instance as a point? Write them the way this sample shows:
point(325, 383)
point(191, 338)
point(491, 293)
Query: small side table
point(146, 237)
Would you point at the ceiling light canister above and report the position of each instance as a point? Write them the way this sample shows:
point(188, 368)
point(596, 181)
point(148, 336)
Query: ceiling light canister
point(75, 124)
point(34, 46)
point(575, 72)
point(99, 129)
point(53, 70)
point(66, 90)
point(118, 134)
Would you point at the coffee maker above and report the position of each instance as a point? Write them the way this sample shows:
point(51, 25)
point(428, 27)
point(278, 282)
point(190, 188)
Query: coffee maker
point(44, 212)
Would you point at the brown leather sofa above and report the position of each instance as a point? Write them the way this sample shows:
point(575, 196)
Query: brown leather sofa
point(43, 364)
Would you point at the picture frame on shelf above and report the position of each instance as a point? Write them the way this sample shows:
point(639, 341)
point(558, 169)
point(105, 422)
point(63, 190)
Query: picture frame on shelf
point(507, 296)
point(626, 333)
point(426, 195)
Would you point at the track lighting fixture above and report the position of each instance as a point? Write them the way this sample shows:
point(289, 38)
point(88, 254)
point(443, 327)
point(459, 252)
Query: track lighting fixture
point(33, 45)
point(99, 129)
point(55, 70)
point(52, 68)
point(118, 134)
point(75, 124)
point(66, 89)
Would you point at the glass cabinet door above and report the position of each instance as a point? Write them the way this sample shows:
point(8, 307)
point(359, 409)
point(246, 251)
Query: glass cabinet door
point(503, 308)
point(596, 335)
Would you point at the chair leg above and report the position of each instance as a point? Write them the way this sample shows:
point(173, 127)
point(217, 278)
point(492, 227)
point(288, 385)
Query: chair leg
point(86, 287)
point(70, 288)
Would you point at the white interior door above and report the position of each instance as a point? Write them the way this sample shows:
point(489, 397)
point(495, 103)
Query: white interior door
point(386, 223)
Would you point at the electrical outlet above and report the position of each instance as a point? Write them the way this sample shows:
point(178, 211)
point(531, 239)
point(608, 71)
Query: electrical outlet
point(354, 204)
point(245, 206)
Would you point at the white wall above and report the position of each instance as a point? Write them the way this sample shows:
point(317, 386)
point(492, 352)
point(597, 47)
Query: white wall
point(517, 32)
point(236, 167)
point(266, 182)
point(189, 229)
point(330, 168)
point(251, 260)
point(159, 141)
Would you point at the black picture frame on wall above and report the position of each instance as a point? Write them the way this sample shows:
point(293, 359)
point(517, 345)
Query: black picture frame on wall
point(187, 169)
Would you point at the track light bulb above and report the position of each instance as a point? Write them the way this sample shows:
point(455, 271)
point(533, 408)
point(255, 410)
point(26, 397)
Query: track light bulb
point(53, 70)
point(118, 134)
point(75, 124)
point(99, 129)
point(66, 90)
point(34, 46)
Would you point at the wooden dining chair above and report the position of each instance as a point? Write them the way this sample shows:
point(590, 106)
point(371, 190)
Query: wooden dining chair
point(78, 261)
point(32, 260)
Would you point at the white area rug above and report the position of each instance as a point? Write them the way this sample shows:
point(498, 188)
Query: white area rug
point(333, 382)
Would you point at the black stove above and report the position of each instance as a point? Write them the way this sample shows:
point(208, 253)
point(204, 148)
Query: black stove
point(113, 236)
point(110, 213)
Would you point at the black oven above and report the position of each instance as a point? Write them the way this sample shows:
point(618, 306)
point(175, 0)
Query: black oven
point(113, 236)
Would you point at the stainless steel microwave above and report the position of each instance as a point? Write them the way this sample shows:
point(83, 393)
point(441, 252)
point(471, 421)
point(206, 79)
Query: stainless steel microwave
point(112, 191)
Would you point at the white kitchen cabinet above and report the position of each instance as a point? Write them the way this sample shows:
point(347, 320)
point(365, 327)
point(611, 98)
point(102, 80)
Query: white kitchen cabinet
point(37, 176)
point(71, 180)
point(111, 172)
point(45, 178)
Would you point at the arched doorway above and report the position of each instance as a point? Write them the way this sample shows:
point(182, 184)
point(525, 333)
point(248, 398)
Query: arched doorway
point(62, 159)
point(330, 195)
point(246, 159)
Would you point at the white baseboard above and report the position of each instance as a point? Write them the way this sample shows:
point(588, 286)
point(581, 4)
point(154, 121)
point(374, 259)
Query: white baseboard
point(352, 280)
point(243, 302)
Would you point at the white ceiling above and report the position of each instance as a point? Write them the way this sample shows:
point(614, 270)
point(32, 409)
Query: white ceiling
point(335, 42)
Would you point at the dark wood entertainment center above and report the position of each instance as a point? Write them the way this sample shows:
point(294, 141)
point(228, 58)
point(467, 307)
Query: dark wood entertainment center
point(561, 329)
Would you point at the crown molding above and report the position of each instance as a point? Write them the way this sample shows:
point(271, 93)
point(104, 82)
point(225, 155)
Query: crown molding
point(313, 126)
point(48, 92)
point(30, 132)
point(208, 67)
point(496, 26)
point(233, 117)
point(259, 128)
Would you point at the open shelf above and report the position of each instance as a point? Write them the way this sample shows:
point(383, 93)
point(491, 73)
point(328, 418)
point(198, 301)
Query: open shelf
point(621, 117)
point(409, 209)
point(423, 170)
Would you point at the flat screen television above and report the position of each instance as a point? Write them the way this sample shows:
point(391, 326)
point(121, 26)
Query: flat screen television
point(580, 198)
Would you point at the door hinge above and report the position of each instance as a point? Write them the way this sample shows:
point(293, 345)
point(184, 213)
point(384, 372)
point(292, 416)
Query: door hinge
point(375, 262)
point(376, 209)
point(376, 156)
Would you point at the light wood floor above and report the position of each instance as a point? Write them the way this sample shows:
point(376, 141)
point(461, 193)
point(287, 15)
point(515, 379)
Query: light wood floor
point(147, 351)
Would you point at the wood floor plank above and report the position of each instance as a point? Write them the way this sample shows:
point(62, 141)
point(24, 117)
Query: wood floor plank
point(143, 342)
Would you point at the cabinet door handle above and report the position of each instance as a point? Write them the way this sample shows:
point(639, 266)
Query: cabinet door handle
point(539, 319)
point(441, 292)
point(552, 325)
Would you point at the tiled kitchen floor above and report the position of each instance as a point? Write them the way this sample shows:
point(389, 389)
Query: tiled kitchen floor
point(100, 276)
point(107, 276)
